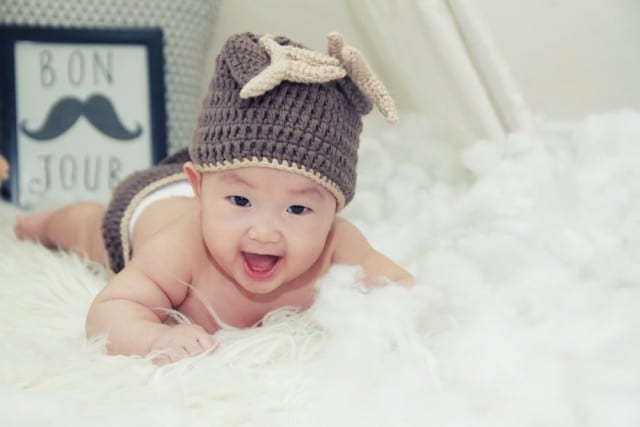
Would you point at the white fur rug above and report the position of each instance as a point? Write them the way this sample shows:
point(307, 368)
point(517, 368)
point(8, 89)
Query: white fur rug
point(526, 311)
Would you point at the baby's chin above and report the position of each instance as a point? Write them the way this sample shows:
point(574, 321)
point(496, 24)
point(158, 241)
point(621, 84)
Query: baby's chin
point(262, 289)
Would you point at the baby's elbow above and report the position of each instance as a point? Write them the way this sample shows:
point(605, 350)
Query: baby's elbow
point(92, 324)
point(408, 281)
point(376, 281)
point(402, 277)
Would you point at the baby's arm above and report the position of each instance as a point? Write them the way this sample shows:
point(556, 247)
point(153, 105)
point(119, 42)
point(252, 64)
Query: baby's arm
point(351, 247)
point(129, 310)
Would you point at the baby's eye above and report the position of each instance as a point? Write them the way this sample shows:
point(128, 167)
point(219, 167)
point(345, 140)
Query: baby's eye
point(297, 209)
point(239, 201)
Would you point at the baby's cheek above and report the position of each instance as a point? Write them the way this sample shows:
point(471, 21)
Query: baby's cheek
point(219, 240)
point(310, 247)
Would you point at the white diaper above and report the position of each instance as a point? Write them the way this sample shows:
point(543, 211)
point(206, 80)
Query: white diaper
point(175, 189)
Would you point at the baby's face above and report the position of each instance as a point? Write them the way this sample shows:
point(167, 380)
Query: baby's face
point(265, 227)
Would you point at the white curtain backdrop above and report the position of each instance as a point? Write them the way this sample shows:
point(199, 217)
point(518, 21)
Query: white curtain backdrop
point(441, 61)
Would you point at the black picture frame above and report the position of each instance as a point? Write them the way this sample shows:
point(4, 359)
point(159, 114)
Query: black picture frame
point(18, 46)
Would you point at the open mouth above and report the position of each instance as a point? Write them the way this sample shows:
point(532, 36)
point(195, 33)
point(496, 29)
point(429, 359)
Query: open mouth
point(260, 266)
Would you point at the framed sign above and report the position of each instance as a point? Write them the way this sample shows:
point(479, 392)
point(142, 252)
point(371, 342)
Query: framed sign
point(81, 109)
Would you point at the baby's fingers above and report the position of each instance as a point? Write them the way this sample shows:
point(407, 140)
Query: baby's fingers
point(175, 354)
point(196, 340)
point(169, 355)
point(180, 342)
point(205, 341)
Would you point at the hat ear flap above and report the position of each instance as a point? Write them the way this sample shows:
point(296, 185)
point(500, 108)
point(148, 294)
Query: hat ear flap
point(355, 96)
point(245, 57)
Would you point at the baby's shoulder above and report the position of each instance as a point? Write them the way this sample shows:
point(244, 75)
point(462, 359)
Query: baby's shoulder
point(179, 239)
point(348, 242)
point(170, 257)
point(345, 229)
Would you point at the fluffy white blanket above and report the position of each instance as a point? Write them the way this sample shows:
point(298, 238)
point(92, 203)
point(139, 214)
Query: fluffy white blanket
point(526, 310)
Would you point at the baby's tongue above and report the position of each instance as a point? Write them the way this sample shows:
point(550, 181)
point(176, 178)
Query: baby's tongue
point(257, 262)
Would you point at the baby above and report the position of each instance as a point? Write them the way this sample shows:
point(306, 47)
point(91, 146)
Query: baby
point(243, 221)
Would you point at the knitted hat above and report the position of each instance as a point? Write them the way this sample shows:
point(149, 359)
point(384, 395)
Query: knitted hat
point(274, 103)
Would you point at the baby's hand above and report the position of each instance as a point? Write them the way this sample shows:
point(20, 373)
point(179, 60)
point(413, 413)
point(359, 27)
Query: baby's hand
point(179, 342)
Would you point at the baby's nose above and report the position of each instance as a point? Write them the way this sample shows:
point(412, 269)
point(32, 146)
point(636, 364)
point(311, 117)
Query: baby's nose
point(264, 233)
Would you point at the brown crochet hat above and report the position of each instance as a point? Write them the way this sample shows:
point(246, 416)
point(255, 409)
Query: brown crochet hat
point(274, 103)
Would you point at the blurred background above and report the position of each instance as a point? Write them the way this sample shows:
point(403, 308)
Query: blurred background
point(560, 59)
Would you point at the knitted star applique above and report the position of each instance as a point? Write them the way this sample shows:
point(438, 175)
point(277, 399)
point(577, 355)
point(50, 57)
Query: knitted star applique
point(302, 65)
point(362, 75)
point(293, 64)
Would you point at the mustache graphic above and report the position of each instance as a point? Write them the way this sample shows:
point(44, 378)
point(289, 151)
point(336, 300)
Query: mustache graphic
point(98, 110)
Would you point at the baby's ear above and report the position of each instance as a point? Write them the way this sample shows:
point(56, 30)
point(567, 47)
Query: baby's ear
point(195, 177)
